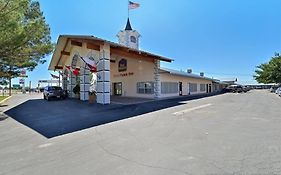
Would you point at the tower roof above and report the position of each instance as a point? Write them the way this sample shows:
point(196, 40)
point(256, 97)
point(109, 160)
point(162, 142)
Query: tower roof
point(128, 25)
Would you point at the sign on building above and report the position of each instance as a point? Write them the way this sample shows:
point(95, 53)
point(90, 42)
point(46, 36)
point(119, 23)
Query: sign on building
point(21, 81)
point(23, 73)
point(122, 65)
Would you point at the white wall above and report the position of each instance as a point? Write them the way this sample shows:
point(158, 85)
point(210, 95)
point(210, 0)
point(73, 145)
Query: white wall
point(166, 77)
point(143, 71)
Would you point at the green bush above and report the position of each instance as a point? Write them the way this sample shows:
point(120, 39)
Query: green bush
point(76, 89)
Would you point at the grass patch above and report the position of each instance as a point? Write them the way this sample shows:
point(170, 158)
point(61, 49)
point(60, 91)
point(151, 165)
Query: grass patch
point(3, 97)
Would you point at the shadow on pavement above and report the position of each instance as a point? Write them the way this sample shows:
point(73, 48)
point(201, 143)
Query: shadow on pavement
point(55, 118)
point(3, 118)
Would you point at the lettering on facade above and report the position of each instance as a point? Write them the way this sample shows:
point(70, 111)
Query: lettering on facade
point(122, 65)
point(123, 74)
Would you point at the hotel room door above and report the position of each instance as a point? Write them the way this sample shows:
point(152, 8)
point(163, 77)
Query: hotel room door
point(180, 88)
point(117, 88)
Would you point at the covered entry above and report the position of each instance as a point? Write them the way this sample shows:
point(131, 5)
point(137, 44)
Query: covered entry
point(118, 68)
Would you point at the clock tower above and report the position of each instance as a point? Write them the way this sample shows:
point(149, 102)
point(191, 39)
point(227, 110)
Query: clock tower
point(129, 37)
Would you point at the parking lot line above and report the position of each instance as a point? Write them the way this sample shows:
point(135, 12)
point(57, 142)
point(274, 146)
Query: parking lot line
point(191, 109)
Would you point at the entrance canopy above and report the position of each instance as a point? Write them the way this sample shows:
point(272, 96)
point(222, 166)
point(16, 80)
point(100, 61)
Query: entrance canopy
point(65, 44)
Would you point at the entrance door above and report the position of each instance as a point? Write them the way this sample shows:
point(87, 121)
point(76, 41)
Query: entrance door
point(180, 88)
point(117, 89)
point(210, 88)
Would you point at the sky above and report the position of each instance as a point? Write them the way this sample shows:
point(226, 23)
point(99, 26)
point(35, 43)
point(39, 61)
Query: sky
point(225, 39)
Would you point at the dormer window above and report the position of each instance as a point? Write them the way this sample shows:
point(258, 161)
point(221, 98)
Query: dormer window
point(133, 39)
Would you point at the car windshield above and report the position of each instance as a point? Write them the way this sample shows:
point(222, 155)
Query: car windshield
point(55, 88)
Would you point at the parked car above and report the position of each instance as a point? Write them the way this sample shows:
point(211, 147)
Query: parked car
point(278, 90)
point(54, 92)
point(273, 89)
point(235, 88)
point(279, 93)
point(246, 88)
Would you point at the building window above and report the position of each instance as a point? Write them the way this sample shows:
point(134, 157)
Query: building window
point(145, 87)
point(169, 87)
point(192, 87)
point(133, 39)
point(202, 87)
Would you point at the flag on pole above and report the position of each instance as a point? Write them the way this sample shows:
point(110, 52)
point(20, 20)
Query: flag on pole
point(54, 76)
point(61, 73)
point(133, 5)
point(90, 63)
point(74, 71)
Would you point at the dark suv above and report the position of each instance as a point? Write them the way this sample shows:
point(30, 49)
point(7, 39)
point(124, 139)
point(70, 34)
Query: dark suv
point(54, 92)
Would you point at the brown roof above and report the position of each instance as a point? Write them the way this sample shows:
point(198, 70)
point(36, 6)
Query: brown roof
point(62, 40)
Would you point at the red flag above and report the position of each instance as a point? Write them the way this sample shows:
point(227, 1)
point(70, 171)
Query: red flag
point(75, 71)
point(68, 67)
point(90, 63)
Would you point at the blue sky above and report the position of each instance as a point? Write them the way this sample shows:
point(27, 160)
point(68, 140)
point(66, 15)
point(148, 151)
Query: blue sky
point(223, 38)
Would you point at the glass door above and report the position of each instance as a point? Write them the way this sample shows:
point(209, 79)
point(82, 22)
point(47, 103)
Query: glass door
point(117, 88)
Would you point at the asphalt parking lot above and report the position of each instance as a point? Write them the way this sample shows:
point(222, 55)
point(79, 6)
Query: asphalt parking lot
point(59, 117)
point(223, 134)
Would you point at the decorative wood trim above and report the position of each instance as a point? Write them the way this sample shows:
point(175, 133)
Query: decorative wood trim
point(93, 46)
point(129, 54)
point(61, 54)
point(93, 41)
point(65, 53)
point(58, 67)
point(76, 43)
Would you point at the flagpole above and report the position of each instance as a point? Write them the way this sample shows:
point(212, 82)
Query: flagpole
point(128, 9)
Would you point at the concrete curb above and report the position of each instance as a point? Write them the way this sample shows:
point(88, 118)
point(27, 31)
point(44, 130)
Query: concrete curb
point(184, 97)
point(5, 99)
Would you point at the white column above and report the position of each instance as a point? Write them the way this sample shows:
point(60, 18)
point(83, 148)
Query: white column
point(64, 82)
point(103, 75)
point(157, 83)
point(71, 84)
point(84, 82)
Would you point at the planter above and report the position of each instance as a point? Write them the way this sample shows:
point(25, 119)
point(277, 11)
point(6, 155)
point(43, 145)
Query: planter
point(92, 98)
point(77, 96)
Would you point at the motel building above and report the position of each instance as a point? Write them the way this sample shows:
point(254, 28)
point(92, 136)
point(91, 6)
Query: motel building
point(121, 69)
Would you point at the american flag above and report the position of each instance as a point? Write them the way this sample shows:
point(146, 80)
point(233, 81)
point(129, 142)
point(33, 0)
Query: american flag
point(90, 63)
point(133, 5)
point(54, 76)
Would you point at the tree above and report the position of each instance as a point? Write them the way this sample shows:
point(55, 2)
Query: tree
point(3, 82)
point(269, 72)
point(24, 37)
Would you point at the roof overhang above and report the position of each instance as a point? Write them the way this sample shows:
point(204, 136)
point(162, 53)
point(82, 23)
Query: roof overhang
point(94, 43)
point(183, 74)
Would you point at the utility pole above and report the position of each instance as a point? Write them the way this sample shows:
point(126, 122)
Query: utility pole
point(10, 82)
point(29, 86)
point(10, 86)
